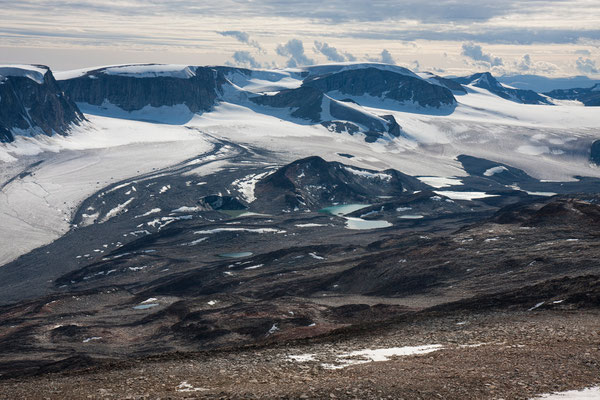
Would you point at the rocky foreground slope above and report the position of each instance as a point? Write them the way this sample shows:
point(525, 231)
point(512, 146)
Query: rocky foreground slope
point(285, 299)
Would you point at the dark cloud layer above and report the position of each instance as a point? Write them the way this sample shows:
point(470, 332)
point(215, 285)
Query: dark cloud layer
point(331, 10)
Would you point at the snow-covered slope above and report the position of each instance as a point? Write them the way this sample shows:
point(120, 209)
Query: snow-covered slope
point(34, 72)
point(547, 141)
point(487, 81)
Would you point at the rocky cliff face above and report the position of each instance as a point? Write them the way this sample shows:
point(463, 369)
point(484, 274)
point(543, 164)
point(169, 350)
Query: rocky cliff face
point(383, 84)
point(588, 96)
point(487, 81)
point(32, 103)
point(132, 88)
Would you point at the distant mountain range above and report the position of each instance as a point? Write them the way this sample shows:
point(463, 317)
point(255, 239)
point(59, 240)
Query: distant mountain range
point(542, 84)
point(336, 96)
point(486, 81)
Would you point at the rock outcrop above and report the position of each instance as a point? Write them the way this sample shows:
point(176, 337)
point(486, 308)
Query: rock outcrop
point(383, 84)
point(32, 103)
point(132, 88)
point(486, 81)
point(313, 183)
point(588, 96)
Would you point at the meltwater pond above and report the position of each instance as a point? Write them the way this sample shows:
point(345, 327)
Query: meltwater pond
point(359, 223)
point(236, 255)
point(355, 223)
point(343, 209)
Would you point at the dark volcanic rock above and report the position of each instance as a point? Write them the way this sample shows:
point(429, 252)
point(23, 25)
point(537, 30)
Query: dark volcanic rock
point(341, 127)
point(486, 81)
point(217, 202)
point(198, 92)
point(34, 107)
point(588, 96)
point(450, 84)
point(504, 174)
point(595, 152)
point(386, 84)
point(307, 102)
point(313, 183)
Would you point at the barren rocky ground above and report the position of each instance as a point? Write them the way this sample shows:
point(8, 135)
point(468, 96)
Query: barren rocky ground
point(492, 355)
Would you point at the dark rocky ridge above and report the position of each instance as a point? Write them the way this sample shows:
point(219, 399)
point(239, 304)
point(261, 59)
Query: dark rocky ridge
point(198, 92)
point(386, 84)
point(588, 96)
point(307, 103)
point(595, 152)
point(313, 183)
point(38, 108)
point(486, 81)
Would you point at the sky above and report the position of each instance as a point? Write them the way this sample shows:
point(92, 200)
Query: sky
point(448, 37)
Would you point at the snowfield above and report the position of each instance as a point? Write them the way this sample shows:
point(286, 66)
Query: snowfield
point(548, 142)
point(37, 209)
point(32, 72)
point(585, 394)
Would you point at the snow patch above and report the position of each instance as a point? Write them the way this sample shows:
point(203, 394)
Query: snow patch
point(464, 195)
point(495, 170)
point(592, 393)
point(370, 175)
point(32, 72)
point(439, 182)
point(118, 209)
point(366, 356)
point(253, 230)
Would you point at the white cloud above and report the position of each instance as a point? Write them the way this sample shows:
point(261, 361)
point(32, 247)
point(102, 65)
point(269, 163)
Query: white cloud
point(528, 65)
point(586, 66)
point(331, 53)
point(294, 49)
point(243, 37)
point(475, 52)
point(245, 59)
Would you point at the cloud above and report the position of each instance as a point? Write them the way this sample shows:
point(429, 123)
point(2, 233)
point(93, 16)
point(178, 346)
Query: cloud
point(482, 34)
point(526, 64)
point(475, 52)
point(294, 49)
point(583, 52)
point(331, 53)
point(586, 66)
point(384, 57)
point(244, 38)
point(245, 59)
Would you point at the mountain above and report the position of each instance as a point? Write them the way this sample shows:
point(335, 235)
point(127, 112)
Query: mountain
point(32, 103)
point(313, 183)
point(290, 228)
point(338, 116)
point(135, 87)
point(588, 96)
point(383, 84)
point(543, 84)
point(485, 80)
